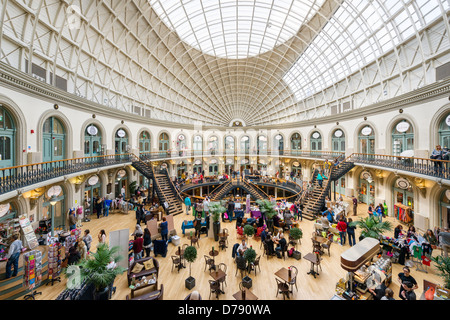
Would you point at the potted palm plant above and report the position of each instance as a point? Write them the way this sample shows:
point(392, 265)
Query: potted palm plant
point(101, 269)
point(372, 227)
point(216, 209)
point(267, 208)
point(249, 256)
point(190, 254)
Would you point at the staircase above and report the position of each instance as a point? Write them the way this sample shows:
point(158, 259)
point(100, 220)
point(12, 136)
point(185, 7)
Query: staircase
point(163, 187)
point(341, 170)
point(313, 205)
point(221, 191)
point(256, 192)
point(238, 183)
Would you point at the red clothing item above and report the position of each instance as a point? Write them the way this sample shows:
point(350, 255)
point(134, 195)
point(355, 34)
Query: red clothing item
point(138, 245)
point(342, 226)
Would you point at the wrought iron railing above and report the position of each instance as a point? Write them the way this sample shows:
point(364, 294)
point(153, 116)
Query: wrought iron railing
point(22, 176)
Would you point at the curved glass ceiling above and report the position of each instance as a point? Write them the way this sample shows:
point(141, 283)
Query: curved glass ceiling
point(235, 29)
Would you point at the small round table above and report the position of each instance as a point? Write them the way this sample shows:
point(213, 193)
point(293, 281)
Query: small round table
point(213, 254)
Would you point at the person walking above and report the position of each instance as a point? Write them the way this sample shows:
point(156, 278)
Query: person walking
point(342, 228)
point(355, 206)
point(188, 204)
point(147, 242)
point(13, 256)
point(351, 232)
point(164, 229)
point(403, 279)
point(198, 225)
point(320, 178)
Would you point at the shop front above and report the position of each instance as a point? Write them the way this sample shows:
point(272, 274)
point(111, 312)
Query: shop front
point(403, 201)
point(366, 188)
point(92, 191)
point(444, 210)
point(121, 183)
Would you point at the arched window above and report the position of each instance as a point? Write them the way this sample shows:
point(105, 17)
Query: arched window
point(198, 145)
point(54, 140)
point(7, 139)
point(245, 145)
point(121, 141)
point(229, 145)
point(316, 141)
point(54, 206)
point(213, 145)
point(444, 212)
point(402, 138)
point(444, 132)
point(163, 144)
point(338, 141)
point(366, 140)
point(92, 141)
point(278, 143)
point(181, 142)
point(262, 144)
point(145, 142)
point(296, 143)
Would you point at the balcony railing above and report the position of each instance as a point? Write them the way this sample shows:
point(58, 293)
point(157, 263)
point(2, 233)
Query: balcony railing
point(428, 167)
point(22, 176)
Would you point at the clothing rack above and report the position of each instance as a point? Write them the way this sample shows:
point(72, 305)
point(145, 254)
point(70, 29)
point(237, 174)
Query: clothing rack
point(403, 213)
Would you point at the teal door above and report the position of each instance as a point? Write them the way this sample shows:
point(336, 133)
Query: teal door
point(316, 144)
point(144, 142)
point(245, 145)
point(163, 144)
point(296, 144)
point(338, 141)
point(7, 139)
point(92, 142)
point(54, 141)
point(121, 142)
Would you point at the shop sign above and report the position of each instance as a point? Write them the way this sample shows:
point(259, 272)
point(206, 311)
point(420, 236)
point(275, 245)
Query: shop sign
point(198, 138)
point(338, 134)
point(279, 137)
point(366, 175)
point(367, 131)
point(213, 161)
point(403, 184)
point(4, 209)
point(54, 191)
point(93, 180)
point(230, 161)
point(92, 130)
point(244, 138)
point(122, 173)
point(181, 137)
point(296, 164)
point(198, 162)
point(403, 127)
point(316, 135)
point(121, 133)
point(447, 121)
point(447, 194)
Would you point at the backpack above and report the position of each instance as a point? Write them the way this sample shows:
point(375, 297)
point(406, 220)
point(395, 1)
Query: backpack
point(291, 252)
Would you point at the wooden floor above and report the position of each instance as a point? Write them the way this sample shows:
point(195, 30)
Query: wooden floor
point(264, 284)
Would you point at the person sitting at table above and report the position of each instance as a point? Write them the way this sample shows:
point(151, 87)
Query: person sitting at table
point(242, 247)
point(264, 234)
point(281, 245)
point(260, 222)
point(276, 221)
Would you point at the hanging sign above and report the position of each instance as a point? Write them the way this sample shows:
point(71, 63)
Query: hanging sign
point(197, 138)
point(403, 127)
point(54, 191)
point(230, 161)
point(296, 164)
point(367, 131)
point(4, 209)
point(403, 184)
point(122, 173)
point(338, 134)
point(447, 121)
point(181, 137)
point(198, 162)
point(93, 180)
point(92, 130)
point(279, 137)
point(316, 135)
point(121, 133)
point(447, 194)
point(244, 139)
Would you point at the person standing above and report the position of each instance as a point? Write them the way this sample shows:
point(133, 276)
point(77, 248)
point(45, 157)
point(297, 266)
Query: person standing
point(72, 220)
point(106, 206)
point(342, 228)
point(198, 225)
point(138, 244)
point(188, 204)
point(437, 154)
point(230, 209)
point(87, 238)
point(102, 236)
point(403, 279)
point(147, 242)
point(206, 206)
point(98, 207)
point(164, 229)
point(351, 232)
point(355, 206)
point(13, 256)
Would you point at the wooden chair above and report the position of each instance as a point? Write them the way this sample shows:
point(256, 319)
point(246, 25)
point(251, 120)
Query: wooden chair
point(154, 295)
point(176, 262)
point(293, 278)
point(283, 288)
point(256, 264)
point(241, 266)
point(209, 262)
point(194, 241)
point(222, 266)
point(327, 246)
point(214, 287)
point(266, 251)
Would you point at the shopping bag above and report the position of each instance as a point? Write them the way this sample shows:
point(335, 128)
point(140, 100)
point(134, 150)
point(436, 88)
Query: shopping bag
point(429, 294)
point(426, 261)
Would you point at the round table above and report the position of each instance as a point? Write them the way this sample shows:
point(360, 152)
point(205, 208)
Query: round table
point(213, 254)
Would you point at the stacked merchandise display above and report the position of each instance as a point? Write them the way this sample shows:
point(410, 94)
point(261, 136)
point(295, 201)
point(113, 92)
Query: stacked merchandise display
point(403, 213)
point(55, 257)
point(29, 234)
point(7, 229)
point(72, 239)
point(32, 267)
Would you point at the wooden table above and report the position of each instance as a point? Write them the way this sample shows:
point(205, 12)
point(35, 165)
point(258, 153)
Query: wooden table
point(314, 259)
point(218, 275)
point(248, 295)
point(143, 286)
point(283, 274)
point(180, 252)
point(213, 254)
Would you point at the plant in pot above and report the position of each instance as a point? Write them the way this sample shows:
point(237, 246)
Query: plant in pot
point(443, 266)
point(190, 254)
point(295, 234)
point(216, 209)
point(101, 269)
point(267, 208)
point(371, 227)
point(249, 256)
point(132, 187)
point(249, 231)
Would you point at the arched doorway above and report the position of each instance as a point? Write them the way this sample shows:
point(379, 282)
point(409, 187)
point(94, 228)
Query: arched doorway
point(366, 138)
point(121, 183)
point(444, 209)
point(121, 141)
point(164, 144)
point(278, 144)
point(92, 141)
point(245, 145)
point(316, 143)
point(181, 144)
point(213, 145)
point(92, 192)
point(213, 168)
point(444, 132)
point(403, 195)
point(198, 145)
point(230, 145)
point(402, 138)
point(145, 143)
point(366, 192)
point(296, 144)
point(338, 141)
point(54, 206)
point(7, 139)
point(54, 140)
point(262, 145)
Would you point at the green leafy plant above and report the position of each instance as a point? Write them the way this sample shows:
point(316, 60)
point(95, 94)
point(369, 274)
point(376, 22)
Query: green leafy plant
point(249, 231)
point(372, 227)
point(216, 209)
point(95, 268)
point(443, 266)
point(295, 233)
point(250, 255)
point(267, 208)
point(132, 187)
point(190, 254)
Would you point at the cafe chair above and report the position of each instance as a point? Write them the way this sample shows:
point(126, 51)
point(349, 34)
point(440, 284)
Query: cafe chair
point(327, 246)
point(256, 264)
point(209, 262)
point(293, 278)
point(176, 262)
point(241, 266)
point(283, 288)
point(222, 266)
point(195, 241)
point(214, 287)
point(266, 251)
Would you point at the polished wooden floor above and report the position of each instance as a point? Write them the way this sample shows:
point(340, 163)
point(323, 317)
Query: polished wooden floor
point(264, 284)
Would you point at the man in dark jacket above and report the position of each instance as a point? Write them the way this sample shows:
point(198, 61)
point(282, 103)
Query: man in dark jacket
point(230, 210)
